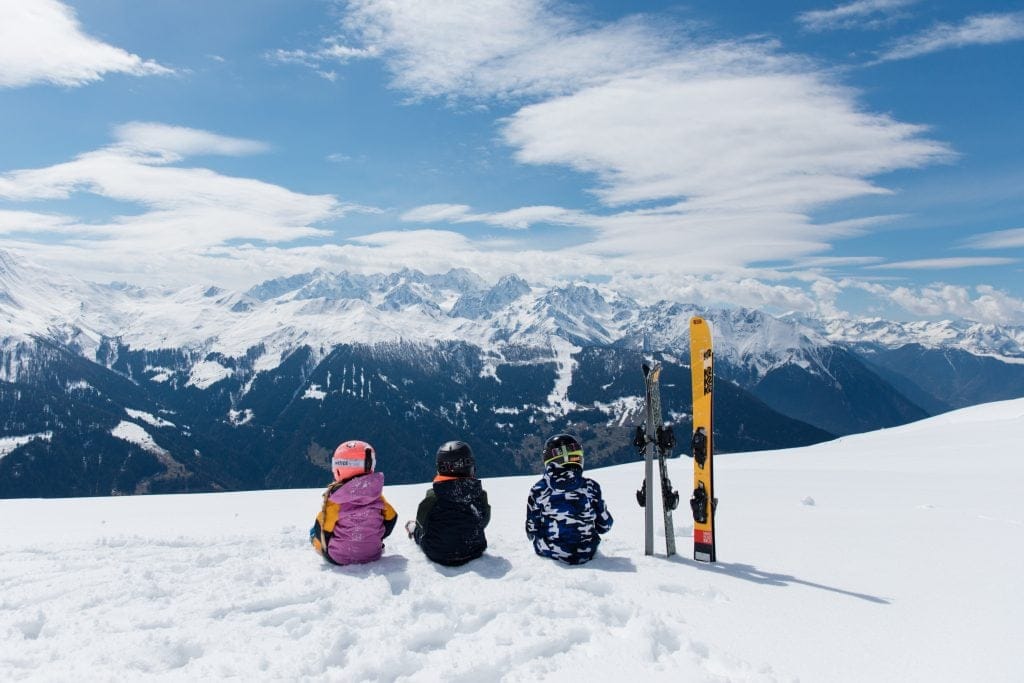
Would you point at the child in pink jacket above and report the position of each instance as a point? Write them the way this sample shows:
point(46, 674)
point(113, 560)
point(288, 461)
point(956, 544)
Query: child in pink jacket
point(355, 517)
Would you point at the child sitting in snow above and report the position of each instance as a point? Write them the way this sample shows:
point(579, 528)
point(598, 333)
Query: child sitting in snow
point(565, 513)
point(450, 521)
point(355, 517)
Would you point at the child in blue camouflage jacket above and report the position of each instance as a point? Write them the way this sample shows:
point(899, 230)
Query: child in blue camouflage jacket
point(565, 513)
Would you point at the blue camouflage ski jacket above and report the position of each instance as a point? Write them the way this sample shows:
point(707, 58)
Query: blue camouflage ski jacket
point(565, 515)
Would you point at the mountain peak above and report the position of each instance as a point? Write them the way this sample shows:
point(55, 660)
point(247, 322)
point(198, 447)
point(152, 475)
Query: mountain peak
point(502, 294)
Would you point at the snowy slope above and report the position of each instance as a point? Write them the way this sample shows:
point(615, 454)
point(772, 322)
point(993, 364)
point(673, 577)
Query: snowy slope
point(889, 556)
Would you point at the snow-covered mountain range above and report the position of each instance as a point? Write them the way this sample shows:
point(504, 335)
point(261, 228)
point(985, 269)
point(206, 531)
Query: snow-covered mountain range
point(320, 310)
point(294, 362)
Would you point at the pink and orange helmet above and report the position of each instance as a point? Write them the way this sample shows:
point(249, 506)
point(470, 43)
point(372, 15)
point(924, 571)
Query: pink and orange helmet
point(352, 458)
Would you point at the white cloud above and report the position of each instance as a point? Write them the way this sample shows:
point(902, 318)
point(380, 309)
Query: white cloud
point(738, 142)
point(331, 51)
point(682, 237)
point(182, 207)
point(981, 29)
point(29, 221)
point(836, 261)
point(987, 304)
point(514, 219)
point(981, 303)
point(41, 41)
point(176, 142)
point(859, 14)
point(415, 241)
point(496, 47)
point(758, 140)
point(712, 291)
point(434, 213)
point(946, 263)
point(1000, 239)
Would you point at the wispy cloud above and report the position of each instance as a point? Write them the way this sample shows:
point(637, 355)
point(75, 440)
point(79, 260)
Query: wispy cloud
point(1000, 239)
point(30, 222)
point(742, 137)
point(331, 53)
point(981, 29)
point(861, 14)
point(42, 42)
point(836, 261)
point(187, 208)
point(946, 263)
point(176, 142)
point(515, 219)
point(489, 48)
point(735, 141)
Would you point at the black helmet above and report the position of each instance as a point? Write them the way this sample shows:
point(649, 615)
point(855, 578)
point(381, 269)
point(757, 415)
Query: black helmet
point(562, 450)
point(455, 459)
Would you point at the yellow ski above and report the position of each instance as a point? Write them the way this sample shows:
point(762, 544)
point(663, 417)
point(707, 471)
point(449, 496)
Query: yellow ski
point(703, 501)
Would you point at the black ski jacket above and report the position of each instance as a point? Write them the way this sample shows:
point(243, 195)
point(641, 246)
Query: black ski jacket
point(451, 519)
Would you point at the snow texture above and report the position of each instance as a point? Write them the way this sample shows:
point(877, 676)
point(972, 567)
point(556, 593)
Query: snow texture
point(240, 417)
point(133, 433)
point(148, 418)
point(313, 391)
point(905, 569)
point(207, 373)
point(9, 443)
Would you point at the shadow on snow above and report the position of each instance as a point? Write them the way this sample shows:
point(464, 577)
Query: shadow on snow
point(749, 572)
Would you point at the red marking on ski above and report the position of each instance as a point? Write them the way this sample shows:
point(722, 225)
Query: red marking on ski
point(701, 536)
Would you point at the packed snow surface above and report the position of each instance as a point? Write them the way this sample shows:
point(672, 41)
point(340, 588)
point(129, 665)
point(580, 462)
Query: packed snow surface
point(889, 556)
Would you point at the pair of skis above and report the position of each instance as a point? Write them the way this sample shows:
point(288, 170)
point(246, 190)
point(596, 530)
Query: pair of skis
point(654, 436)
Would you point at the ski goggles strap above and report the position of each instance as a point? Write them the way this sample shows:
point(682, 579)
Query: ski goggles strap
point(563, 456)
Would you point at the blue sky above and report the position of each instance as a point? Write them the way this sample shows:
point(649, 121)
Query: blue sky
point(858, 157)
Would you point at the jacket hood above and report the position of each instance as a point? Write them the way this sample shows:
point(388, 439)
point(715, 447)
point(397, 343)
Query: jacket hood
point(361, 490)
point(563, 477)
point(464, 489)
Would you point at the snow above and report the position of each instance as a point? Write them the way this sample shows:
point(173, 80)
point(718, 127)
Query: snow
point(240, 417)
point(558, 401)
point(314, 392)
point(502, 410)
point(160, 374)
point(207, 373)
point(148, 418)
point(904, 568)
point(133, 433)
point(621, 409)
point(9, 443)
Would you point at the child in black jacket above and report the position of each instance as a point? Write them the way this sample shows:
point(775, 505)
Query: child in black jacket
point(450, 521)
